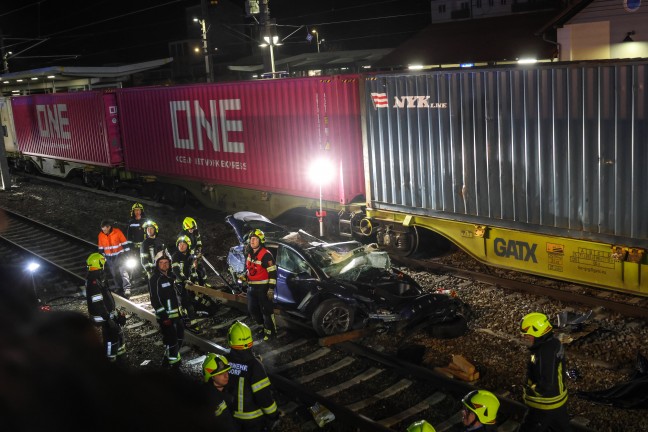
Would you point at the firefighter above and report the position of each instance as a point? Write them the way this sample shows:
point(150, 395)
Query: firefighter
point(190, 229)
point(135, 233)
point(184, 268)
point(215, 368)
point(420, 426)
point(164, 299)
point(480, 410)
point(113, 246)
point(151, 247)
point(255, 407)
point(101, 308)
point(545, 392)
point(261, 273)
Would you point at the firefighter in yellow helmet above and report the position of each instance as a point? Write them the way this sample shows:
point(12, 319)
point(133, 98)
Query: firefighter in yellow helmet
point(150, 247)
point(168, 312)
point(480, 410)
point(420, 426)
point(190, 229)
point(215, 372)
point(545, 391)
point(101, 308)
point(262, 281)
point(255, 407)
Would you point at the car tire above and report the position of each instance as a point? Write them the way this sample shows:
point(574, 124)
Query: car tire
point(449, 329)
point(333, 316)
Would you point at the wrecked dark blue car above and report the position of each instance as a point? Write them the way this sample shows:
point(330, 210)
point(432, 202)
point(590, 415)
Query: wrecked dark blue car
point(340, 286)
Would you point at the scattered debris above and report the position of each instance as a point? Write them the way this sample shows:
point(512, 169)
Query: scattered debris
point(460, 368)
point(321, 414)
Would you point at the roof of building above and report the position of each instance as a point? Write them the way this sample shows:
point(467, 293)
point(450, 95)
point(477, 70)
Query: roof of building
point(495, 39)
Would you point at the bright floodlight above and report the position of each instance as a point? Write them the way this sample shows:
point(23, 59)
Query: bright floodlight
point(131, 263)
point(321, 171)
point(33, 266)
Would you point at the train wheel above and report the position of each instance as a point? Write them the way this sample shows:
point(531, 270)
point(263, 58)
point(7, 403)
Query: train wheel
point(108, 183)
point(402, 243)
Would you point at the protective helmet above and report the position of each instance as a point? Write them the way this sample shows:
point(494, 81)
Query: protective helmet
point(162, 255)
point(420, 426)
point(189, 223)
point(239, 336)
point(150, 223)
point(214, 364)
point(96, 261)
point(136, 206)
point(535, 324)
point(185, 239)
point(258, 234)
point(484, 404)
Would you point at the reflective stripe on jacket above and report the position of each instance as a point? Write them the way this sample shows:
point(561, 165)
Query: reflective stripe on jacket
point(261, 269)
point(250, 386)
point(113, 243)
point(546, 389)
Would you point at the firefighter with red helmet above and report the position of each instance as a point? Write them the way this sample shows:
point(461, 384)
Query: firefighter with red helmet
point(112, 245)
point(215, 375)
point(101, 308)
point(545, 392)
point(165, 301)
point(261, 272)
point(255, 408)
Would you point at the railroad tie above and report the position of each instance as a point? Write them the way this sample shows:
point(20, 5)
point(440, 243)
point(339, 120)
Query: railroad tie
point(366, 375)
point(346, 361)
point(389, 392)
point(412, 411)
point(313, 356)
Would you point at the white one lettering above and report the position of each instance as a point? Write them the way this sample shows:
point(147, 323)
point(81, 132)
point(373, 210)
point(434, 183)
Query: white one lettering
point(199, 121)
point(52, 121)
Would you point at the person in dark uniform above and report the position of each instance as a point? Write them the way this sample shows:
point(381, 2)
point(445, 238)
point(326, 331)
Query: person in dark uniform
point(151, 247)
point(480, 411)
point(215, 368)
point(261, 273)
point(545, 392)
point(101, 308)
point(255, 408)
point(190, 229)
point(135, 234)
point(165, 301)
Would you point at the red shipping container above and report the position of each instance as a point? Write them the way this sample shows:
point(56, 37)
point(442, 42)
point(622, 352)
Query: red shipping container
point(261, 135)
point(80, 127)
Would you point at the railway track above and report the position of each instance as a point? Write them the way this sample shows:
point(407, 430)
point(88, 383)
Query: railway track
point(363, 388)
point(624, 304)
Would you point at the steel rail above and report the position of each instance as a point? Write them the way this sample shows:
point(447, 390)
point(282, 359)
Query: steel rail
point(73, 262)
point(625, 309)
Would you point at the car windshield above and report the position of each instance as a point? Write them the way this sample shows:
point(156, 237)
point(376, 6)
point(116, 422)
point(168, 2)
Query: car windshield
point(349, 260)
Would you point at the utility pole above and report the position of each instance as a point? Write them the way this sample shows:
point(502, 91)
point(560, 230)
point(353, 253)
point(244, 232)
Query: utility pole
point(204, 26)
point(5, 56)
point(268, 36)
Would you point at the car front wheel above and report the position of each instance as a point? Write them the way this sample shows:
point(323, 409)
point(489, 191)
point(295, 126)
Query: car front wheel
point(332, 316)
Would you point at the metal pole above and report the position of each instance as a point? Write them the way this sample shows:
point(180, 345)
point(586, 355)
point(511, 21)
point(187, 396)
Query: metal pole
point(203, 26)
point(272, 64)
point(317, 41)
point(321, 215)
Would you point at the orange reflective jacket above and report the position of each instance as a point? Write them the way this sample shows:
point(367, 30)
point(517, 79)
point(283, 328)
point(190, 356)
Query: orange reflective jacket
point(113, 243)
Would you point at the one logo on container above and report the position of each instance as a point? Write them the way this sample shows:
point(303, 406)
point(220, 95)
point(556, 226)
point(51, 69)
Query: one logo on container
point(53, 121)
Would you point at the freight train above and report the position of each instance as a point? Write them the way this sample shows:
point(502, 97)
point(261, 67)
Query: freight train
point(536, 169)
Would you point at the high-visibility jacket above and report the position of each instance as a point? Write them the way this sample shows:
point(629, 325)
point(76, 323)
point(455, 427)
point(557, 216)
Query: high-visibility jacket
point(164, 297)
point(135, 233)
point(113, 243)
point(250, 387)
point(196, 240)
point(149, 249)
point(546, 374)
point(261, 268)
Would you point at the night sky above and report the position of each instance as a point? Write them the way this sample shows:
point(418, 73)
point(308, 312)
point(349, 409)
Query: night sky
point(111, 32)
